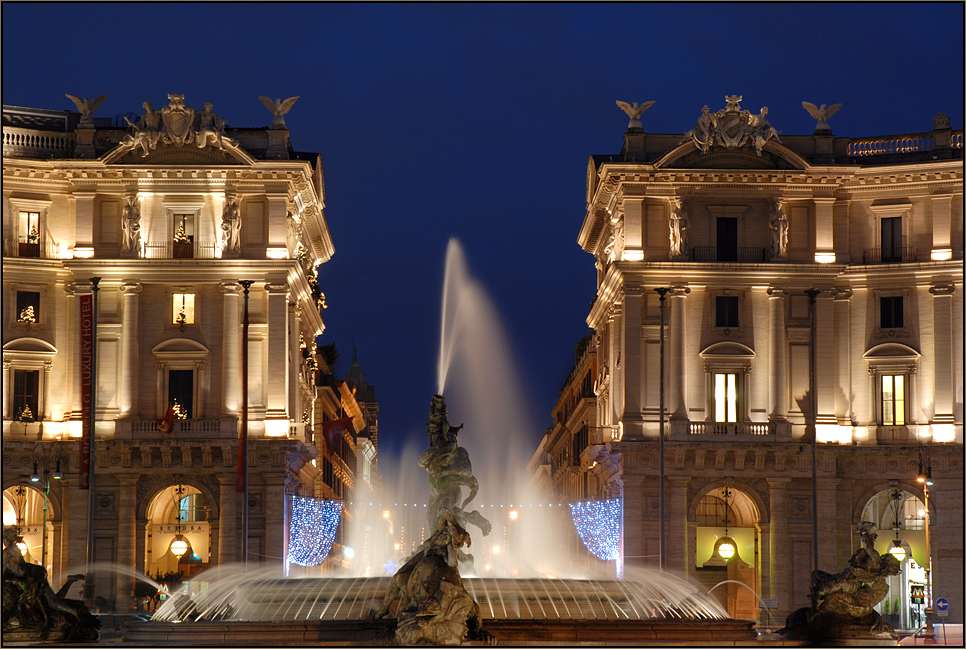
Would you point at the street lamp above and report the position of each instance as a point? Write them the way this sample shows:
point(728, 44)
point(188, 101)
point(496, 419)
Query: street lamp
point(179, 546)
point(897, 550)
point(46, 456)
point(725, 547)
point(925, 479)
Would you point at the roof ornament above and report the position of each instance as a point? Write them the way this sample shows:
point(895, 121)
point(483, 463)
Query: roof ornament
point(278, 109)
point(731, 127)
point(634, 111)
point(177, 125)
point(87, 108)
point(821, 114)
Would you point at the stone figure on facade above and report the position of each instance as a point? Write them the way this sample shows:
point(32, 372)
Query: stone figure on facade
point(32, 612)
point(842, 603)
point(131, 224)
point(87, 108)
point(634, 112)
point(434, 607)
point(731, 127)
point(778, 223)
point(231, 225)
point(449, 469)
point(278, 109)
point(211, 128)
point(615, 244)
point(821, 114)
point(147, 131)
point(679, 225)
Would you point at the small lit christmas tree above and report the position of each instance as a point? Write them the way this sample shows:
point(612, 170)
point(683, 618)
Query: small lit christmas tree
point(179, 411)
point(181, 236)
point(26, 414)
point(33, 236)
point(27, 315)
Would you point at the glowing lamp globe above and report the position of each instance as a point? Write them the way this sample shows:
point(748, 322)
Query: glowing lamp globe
point(726, 548)
point(179, 546)
point(898, 551)
point(22, 547)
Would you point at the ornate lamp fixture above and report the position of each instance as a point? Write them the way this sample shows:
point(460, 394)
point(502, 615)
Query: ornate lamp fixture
point(726, 547)
point(179, 546)
point(897, 550)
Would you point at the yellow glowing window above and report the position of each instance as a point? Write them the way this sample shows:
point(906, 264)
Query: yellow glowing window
point(726, 397)
point(30, 226)
point(893, 400)
point(183, 308)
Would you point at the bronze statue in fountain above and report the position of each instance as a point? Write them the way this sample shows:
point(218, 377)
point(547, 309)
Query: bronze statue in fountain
point(842, 604)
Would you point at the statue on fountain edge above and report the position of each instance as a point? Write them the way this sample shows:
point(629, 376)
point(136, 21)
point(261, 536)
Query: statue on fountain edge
point(434, 608)
point(31, 610)
point(842, 604)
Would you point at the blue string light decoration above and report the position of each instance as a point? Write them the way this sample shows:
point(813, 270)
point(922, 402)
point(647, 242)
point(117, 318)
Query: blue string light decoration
point(312, 530)
point(598, 523)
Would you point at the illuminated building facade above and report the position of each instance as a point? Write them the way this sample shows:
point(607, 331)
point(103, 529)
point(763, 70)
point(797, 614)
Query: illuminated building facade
point(739, 223)
point(169, 210)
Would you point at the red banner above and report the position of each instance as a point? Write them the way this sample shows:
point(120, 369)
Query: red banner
point(86, 376)
point(242, 461)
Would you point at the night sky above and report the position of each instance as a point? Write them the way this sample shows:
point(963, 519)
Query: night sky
point(477, 121)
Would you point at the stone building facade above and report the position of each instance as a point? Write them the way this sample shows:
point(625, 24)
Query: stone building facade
point(745, 227)
point(170, 210)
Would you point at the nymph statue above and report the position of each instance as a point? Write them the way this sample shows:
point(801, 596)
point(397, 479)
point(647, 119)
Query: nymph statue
point(679, 225)
point(778, 223)
point(131, 225)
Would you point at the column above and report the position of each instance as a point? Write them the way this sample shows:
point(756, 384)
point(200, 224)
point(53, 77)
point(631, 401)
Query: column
point(231, 387)
point(295, 354)
point(633, 228)
point(677, 374)
point(614, 359)
point(825, 360)
point(779, 566)
point(631, 361)
point(843, 357)
point(824, 236)
point(942, 304)
point(277, 379)
point(229, 545)
point(6, 390)
point(130, 357)
point(778, 373)
point(679, 553)
point(277, 220)
point(633, 520)
point(126, 538)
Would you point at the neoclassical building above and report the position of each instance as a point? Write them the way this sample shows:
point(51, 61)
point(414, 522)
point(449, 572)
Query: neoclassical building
point(747, 232)
point(169, 210)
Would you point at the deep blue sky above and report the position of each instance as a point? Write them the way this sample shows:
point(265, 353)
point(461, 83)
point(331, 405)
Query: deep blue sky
point(477, 121)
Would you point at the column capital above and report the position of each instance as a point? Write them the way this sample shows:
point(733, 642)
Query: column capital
point(824, 200)
point(843, 295)
point(679, 291)
point(130, 288)
point(947, 289)
point(276, 289)
point(230, 287)
point(80, 288)
point(774, 292)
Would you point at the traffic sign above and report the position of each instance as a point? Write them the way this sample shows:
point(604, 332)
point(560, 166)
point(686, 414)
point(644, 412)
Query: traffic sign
point(942, 607)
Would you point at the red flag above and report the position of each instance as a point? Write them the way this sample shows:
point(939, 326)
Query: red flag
point(166, 423)
point(332, 432)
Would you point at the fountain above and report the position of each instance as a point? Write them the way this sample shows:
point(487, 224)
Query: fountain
point(520, 587)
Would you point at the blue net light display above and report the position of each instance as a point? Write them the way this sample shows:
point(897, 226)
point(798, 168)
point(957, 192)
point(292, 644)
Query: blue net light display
point(312, 529)
point(598, 523)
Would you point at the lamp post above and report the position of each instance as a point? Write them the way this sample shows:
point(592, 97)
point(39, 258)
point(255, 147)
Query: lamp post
point(897, 550)
point(179, 546)
point(89, 587)
point(660, 454)
point(925, 479)
point(243, 438)
point(45, 456)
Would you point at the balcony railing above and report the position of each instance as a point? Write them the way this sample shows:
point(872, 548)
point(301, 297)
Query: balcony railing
point(737, 255)
point(911, 143)
point(742, 431)
point(224, 428)
point(172, 250)
point(44, 144)
point(903, 254)
point(22, 247)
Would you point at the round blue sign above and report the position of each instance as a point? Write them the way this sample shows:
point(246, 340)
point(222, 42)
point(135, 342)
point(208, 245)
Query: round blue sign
point(942, 604)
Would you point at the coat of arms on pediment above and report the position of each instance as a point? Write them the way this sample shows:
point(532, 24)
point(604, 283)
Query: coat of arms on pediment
point(176, 125)
point(731, 127)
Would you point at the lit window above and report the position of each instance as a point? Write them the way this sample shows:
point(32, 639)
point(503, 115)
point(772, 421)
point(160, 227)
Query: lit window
point(26, 393)
point(183, 308)
point(29, 227)
point(890, 312)
point(893, 400)
point(28, 306)
point(726, 398)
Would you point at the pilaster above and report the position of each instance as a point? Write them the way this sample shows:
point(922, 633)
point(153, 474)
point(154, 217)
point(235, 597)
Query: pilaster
point(824, 230)
point(126, 536)
point(942, 304)
point(632, 362)
point(778, 406)
point(277, 379)
point(130, 355)
point(678, 366)
point(231, 348)
point(228, 507)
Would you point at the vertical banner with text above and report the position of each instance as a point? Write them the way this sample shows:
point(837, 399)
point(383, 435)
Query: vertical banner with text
point(87, 374)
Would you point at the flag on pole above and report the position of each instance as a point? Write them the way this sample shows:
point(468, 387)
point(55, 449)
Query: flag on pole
point(332, 432)
point(166, 423)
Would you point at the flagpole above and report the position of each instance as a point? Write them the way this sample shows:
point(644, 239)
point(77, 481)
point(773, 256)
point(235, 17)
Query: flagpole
point(243, 437)
point(89, 578)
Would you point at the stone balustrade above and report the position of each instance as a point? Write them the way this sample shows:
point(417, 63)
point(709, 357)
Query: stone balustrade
point(32, 143)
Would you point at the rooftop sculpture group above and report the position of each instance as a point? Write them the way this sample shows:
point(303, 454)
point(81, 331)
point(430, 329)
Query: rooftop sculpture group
point(731, 127)
point(177, 125)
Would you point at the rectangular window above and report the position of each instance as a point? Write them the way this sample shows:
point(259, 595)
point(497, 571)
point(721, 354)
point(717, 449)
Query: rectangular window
point(890, 312)
point(183, 308)
point(28, 306)
point(726, 311)
point(26, 385)
point(892, 239)
point(893, 400)
point(727, 240)
point(29, 234)
point(181, 390)
point(184, 228)
point(726, 398)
